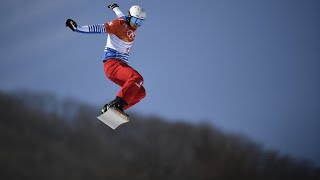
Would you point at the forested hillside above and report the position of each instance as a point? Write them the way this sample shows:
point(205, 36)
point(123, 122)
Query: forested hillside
point(42, 137)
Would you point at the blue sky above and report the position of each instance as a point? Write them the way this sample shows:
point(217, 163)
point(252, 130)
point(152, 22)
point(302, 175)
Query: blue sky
point(250, 67)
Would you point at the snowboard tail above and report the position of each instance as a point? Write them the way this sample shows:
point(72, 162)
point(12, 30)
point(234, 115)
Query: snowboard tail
point(113, 118)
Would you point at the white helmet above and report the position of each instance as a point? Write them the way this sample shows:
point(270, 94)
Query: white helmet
point(137, 12)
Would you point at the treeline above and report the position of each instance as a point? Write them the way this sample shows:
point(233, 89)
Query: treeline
point(42, 137)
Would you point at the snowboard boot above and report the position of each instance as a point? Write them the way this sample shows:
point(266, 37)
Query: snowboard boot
point(117, 103)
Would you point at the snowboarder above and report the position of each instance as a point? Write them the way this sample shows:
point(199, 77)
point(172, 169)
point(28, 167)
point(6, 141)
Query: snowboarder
point(121, 33)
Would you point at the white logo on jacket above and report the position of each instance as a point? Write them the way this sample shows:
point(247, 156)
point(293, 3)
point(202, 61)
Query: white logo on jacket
point(131, 35)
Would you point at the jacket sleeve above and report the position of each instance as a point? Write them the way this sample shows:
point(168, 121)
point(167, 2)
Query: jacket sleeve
point(99, 28)
point(91, 29)
point(119, 13)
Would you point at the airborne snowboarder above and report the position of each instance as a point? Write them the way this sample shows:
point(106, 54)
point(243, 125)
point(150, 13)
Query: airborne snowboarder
point(121, 33)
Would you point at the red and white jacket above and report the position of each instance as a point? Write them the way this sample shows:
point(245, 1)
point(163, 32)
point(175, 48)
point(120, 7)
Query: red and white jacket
point(120, 36)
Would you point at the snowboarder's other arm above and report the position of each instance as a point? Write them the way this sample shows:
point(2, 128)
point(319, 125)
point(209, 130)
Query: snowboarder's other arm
point(97, 28)
point(115, 8)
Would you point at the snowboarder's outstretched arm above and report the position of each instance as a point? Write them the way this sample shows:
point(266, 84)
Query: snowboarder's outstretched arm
point(115, 8)
point(96, 28)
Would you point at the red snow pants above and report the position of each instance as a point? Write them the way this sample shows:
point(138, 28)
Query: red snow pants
point(129, 79)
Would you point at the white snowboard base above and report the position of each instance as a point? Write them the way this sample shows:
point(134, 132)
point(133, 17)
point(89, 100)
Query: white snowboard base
point(113, 118)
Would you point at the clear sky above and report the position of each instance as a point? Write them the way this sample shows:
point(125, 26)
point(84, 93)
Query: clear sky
point(249, 66)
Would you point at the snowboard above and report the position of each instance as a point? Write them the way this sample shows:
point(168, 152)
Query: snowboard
point(113, 118)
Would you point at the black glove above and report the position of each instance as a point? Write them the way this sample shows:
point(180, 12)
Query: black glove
point(71, 24)
point(111, 6)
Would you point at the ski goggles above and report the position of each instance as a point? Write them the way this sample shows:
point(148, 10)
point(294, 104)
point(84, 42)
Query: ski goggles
point(137, 21)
